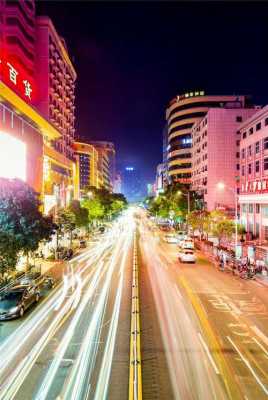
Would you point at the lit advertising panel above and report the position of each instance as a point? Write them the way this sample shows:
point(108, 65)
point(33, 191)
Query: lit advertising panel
point(12, 157)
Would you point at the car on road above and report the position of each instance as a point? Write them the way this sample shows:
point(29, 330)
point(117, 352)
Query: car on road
point(187, 244)
point(82, 244)
point(16, 300)
point(38, 281)
point(181, 235)
point(187, 256)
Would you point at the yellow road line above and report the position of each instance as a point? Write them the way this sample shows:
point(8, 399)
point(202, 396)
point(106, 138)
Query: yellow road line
point(225, 372)
point(135, 376)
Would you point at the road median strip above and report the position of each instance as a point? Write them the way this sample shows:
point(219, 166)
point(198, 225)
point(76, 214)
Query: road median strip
point(135, 377)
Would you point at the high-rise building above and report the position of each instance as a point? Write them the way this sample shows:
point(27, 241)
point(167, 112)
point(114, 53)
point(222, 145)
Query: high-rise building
point(17, 47)
point(87, 159)
point(56, 83)
point(160, 182)
point(181, 114)
point(27, 103)
point(215, 156)
point(106, 163)
point(253, 196)
point(118, 183)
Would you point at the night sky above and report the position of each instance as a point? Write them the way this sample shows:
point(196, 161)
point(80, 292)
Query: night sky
point(133, 57)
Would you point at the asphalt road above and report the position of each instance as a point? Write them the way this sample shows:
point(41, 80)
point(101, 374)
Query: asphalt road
point(68, 346)
point(214, 326)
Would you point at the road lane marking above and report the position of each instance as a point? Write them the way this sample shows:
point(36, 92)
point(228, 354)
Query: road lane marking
point(249, 366)
point(261, 346)
point(178, 291)
point(259, 333)
point(208, 354)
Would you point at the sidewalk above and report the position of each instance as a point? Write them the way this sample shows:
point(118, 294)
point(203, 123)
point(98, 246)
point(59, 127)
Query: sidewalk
point(56, 268)
point(261, 279)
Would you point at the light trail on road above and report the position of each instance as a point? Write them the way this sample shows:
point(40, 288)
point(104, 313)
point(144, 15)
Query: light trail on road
point(227, 316)
point(84, 292)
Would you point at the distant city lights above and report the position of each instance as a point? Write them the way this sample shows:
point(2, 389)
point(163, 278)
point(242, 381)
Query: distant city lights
point(129, 168)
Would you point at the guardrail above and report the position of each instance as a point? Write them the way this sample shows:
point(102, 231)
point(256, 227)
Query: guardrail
point(135, 378)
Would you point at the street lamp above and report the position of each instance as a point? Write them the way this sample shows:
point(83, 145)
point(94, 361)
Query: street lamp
point(180, 193)
point(222, 186)
point(90, 194)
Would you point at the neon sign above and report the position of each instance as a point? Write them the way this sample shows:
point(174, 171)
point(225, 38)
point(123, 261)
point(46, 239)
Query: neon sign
point(10, 74)
point(190, 94)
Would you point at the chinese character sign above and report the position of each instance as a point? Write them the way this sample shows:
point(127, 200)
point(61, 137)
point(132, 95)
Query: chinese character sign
point(15, 79)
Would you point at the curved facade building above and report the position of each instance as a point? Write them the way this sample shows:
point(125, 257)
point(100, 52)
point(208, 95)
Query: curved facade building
point(181, 114)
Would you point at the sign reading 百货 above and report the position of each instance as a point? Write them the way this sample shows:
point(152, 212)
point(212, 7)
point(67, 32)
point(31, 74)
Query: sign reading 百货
point(11, 75)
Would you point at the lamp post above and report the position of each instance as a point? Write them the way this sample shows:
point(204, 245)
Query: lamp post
point(180, 193)
point(222, 186)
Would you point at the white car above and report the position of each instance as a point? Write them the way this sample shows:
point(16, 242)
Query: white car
point(187, 244)
point(187, 256)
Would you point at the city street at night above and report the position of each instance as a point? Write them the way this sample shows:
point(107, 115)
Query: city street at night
point(133, 200)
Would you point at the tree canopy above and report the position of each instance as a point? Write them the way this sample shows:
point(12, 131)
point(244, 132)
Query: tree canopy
point(101, 203)
point(22, 225)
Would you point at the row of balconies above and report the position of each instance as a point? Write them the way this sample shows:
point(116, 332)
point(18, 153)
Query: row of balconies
point(57, 66)
point(58, 103)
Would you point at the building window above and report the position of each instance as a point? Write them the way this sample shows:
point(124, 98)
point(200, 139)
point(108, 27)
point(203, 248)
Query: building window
point(237, 154)
point(266, 232)
point(265, 164)
point(257, 230)
point(264, 211)
point(249, 168)
point(257, 208)
point(239, 118)
point(244, 135)
point(238, 142)
point(257, 147)
point(250, 208)
point(249, 151)
point(243, 153)
point(258, 126)
point(266, 121)
point(265, 143)
point(257, 166)
point(243, 170)
point(244, 208)
point(237, 167)
point(251, 131)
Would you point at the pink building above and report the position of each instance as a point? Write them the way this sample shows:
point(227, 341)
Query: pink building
point(216, 156)
point(37, 96)
point(17, 47)
point(253, 197)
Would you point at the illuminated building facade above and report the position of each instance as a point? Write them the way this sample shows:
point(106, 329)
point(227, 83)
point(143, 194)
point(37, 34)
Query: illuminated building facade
point(56, 83)
point(26, 113)
point(215, 156)
point(87, 158)
point(253, 196)
point(106, 164)
point(181, 114)
point(160, 183)
point(117, 183)
point(17, 47)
